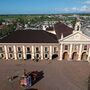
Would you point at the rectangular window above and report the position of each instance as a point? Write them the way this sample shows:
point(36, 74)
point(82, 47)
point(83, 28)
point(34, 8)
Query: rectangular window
point(46, 55)
point(20, 56)
point(66, 47)
point(1, 49)
point(10, 56)
point(75, 47)
point(46, 49)
point(37, 49)
point(10, 49)
point(37, 56)
point(85, 47)
point(28, 49)
point(55, 49)
point(19, 49)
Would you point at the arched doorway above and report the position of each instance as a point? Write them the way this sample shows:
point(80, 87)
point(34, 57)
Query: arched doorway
point(84, 56)
point(74, 56)
point(65, 56)
point(54, 56)
point(28, 56)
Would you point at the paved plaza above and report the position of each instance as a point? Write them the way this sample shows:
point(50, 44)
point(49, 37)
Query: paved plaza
point(58, 75)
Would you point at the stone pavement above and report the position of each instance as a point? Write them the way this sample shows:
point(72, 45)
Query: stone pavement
point(58, 75)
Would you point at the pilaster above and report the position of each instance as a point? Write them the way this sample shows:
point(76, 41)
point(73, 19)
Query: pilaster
point(61, 53)
point(32, 52)
point(15, 53)
point(24, 54)
point(80, 52)
point(70, 54)
point(6, 54)
point(88, 59)
point(50, 55)
point(41, 52)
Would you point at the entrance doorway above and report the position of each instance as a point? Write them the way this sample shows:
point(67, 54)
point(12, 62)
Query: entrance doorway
point(28, 56)
point(65, 56)
point(84, 56)
point(54, 56)
point(74, 56)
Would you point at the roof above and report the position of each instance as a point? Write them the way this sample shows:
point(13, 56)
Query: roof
point(61, 28)
point(30, 36)
point(2, 26)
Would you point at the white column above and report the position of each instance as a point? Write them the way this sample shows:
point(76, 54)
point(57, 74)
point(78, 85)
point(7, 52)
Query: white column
point(32, 52)
point(41, 52)
point(6, 53)
point(61, 53)
point(70, 54)
point(88, 55)
point(50, 53)
point(80, 52)
point(24, 54)
point(15, 53)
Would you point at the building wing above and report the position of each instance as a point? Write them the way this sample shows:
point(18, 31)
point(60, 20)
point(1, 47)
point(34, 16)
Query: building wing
point(30, 36)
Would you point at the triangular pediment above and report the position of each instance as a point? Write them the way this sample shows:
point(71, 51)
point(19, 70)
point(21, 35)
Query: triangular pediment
point(78, 36)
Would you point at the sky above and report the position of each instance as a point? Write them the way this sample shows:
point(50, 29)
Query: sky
point(44, 6)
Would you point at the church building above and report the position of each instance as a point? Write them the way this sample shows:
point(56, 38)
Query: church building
point(60, 43)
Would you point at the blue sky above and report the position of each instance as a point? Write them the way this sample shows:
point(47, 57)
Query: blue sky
point(43, 6)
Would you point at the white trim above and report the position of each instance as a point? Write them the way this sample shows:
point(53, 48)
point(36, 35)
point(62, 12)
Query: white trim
point(67, 37)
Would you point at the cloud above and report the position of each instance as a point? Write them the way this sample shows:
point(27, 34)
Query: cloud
point(84, 8)
point(87, 2)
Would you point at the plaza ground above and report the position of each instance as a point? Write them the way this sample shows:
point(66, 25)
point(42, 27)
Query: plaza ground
point(58, 75)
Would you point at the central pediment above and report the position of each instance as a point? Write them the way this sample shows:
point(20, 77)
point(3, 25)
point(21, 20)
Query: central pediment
point(78, 36)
